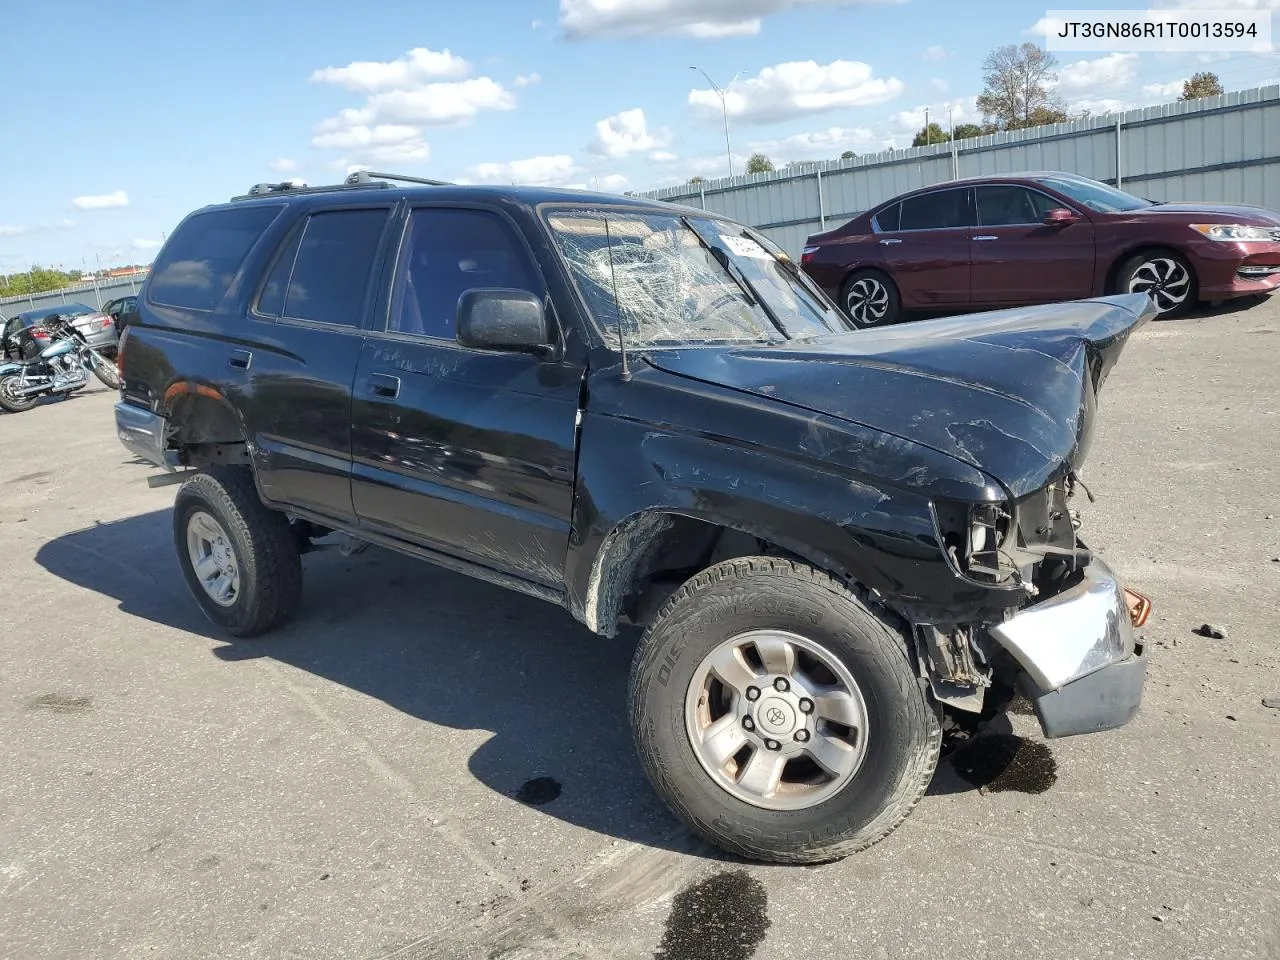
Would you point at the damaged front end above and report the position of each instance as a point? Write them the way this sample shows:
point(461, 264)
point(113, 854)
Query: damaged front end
point(1071, 648)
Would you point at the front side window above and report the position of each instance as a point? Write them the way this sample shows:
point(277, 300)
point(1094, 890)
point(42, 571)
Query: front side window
point(196, 267)
point(670, 280)
point(322, 272)
point(446, 252)
point(936, 211)
point(1005, 205)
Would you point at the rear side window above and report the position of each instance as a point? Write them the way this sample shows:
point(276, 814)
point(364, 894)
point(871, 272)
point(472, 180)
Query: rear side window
point(936, 211)
point(197, 265)
point(322, 273)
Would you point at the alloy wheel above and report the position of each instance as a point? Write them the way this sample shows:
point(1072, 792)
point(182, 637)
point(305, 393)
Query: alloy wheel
point(867, 301)
point(213, 559)
point(1165, 280)
point(776, 720)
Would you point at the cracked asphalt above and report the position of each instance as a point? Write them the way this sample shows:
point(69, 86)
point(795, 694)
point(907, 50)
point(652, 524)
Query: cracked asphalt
point(426, 766)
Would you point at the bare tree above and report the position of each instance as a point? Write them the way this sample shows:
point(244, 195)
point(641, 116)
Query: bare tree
point(1201, 85)
point(1018, 81)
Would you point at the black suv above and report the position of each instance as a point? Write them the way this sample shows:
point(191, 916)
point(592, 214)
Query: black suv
point(647, 414)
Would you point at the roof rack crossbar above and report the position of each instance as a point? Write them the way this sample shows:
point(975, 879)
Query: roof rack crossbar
point(268, 189)
point(364, 176)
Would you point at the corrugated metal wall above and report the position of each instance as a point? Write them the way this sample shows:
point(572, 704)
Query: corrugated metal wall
point(84, 293)
point(1220, 149)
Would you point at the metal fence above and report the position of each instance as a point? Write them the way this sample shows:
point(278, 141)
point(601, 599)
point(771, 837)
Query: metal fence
point(91, 294)
point(1218, 149)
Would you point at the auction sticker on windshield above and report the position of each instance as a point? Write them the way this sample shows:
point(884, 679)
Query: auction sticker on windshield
point(745, 247)
point(1139, 31)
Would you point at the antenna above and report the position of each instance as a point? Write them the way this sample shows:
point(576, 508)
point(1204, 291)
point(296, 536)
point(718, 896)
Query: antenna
point(617, 305)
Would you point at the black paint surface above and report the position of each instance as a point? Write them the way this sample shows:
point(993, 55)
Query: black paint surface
point(722, 917)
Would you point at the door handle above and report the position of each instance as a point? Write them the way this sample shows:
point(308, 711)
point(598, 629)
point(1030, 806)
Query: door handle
point(240, 359)
point(384, 385)
point(985, 237)
point(891, 240)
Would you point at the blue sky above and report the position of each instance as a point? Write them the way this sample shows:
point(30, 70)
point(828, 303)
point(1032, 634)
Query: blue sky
point(120, 118)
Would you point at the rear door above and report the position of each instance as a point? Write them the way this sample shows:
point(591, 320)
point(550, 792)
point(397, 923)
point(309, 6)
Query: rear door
point(1017, 258)
point(468, 452)
point(299, 359)
point(927, 250)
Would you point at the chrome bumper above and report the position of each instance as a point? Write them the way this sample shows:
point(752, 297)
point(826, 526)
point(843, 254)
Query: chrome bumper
point(143, 434)
point(1084, 671)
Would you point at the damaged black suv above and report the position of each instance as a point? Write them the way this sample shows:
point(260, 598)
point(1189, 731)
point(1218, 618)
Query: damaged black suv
point(647, 415)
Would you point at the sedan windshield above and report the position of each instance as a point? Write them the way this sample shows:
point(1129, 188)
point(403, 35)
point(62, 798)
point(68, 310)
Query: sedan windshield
point(1094, 195)
point(680, 281)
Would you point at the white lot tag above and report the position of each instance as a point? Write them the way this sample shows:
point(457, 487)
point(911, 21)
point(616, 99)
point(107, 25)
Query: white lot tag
point(746, 247)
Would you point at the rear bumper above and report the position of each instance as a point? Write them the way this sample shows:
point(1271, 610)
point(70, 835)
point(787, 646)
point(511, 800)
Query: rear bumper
point(143, 434)
point(105, 340)
point(1082, 668)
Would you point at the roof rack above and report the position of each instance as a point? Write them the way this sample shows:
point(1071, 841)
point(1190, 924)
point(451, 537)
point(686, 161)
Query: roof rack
point(359, 179)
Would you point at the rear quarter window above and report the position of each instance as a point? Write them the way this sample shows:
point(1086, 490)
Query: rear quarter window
point(198, 264)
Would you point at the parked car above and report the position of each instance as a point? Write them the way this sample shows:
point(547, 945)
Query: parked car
point(98, 329)
point(646, 414)
point(119, 310)
point(1038, 238)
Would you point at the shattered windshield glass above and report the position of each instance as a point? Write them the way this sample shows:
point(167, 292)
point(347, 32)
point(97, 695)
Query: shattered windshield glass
point(679, 281)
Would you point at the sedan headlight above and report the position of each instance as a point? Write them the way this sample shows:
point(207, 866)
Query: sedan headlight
point(1232, 231)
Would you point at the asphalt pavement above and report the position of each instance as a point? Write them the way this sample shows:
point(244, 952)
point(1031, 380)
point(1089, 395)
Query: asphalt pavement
point(422, 765)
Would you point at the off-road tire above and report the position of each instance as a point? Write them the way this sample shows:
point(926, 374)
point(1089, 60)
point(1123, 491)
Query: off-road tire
point(753, 593)
point(264, 545)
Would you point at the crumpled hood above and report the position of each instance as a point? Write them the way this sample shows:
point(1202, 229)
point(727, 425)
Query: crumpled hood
point(1011, 392)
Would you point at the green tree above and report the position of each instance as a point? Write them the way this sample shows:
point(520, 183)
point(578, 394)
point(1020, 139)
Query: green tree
point(848, 155)
point(759, 163)
point(696, 180)
point(1018, 82)
point(967, 131)
point(1203, 84)
point(35, 280)
point(933, 133)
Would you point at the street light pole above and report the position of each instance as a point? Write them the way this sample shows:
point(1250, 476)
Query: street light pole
point(724, 107)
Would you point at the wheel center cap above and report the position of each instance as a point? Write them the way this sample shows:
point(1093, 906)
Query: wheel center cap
point(776, 716)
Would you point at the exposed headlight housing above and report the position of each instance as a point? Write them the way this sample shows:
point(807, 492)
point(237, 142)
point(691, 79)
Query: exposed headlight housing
point(1232, 232)
point(974, 535)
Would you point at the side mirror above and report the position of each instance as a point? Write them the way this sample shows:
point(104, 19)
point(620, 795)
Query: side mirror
point(1060, 217)
point(498, 319)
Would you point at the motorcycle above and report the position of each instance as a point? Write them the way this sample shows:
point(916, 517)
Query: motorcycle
point(59, 369)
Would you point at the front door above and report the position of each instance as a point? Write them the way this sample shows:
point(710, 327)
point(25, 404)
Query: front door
point(1017, 258)
point(927, 252)
point(468, 452)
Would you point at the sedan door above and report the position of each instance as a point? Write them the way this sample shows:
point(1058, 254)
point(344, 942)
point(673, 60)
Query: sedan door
point(466, 452)
point(925, 247)
point(1017, 258)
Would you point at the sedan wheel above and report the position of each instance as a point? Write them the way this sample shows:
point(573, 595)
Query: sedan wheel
point(868, 301)
point(1166, 279)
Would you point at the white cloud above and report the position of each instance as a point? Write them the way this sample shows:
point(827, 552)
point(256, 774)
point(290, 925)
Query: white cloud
point(102, 201)
point(701, 19)
point(663, 156)
point(939, 84)
point(787, 90)
point(541, 171)
point(1044, 26)
point(409, 70)
point(284, 165)
point(526, 80)
point(625, 133)
point(1112, 71)
point(537, 24)
point(1164, 91)
point(828, 143)
point(359, 135)
point(900, 129)
point(1097, 106)
point(610, 183)
point(936, 52)
point(147, 244)
point(7, 231)
point(429, 104)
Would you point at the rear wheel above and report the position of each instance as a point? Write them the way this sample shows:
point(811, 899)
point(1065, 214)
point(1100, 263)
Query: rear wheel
point(779, 716)
point(14, 402)
point(1164, 276)
point(104, 370)
point(871, 299)
point(239, 558)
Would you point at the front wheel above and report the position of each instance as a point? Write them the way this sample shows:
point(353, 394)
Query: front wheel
point(778, 715)
point(871, 299)
point(239, 558)
point(12, 401)
point(104, 369)
point(1165, 277)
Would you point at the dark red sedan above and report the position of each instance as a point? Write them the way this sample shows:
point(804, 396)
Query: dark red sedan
point(1036, 238)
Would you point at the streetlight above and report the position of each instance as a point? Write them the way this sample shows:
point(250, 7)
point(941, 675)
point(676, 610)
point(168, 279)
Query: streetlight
point(725, 109)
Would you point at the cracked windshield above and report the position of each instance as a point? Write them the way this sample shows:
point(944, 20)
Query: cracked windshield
point(679, 281)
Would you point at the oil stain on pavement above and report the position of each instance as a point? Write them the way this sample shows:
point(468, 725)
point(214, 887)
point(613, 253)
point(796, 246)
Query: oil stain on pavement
point(60, 704)
point(721, 917)
point(1003, 762)
point(538, 791)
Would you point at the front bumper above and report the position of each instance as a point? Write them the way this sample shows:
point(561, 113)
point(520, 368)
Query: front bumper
point(143, 434)
point(1229, 270)
point(1083, 671)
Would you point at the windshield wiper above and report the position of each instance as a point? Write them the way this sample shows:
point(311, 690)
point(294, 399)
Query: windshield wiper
point(744, 284)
